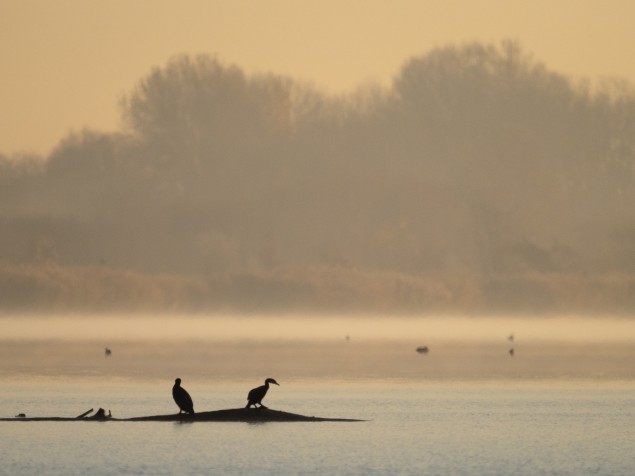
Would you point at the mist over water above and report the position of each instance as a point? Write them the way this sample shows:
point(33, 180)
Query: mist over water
point(306, 328)
point(240, 226)
point(238, 347)
point(248, 226)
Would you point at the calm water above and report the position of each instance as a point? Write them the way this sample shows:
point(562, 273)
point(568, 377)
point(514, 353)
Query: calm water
point(441, 427)
point(468, 407)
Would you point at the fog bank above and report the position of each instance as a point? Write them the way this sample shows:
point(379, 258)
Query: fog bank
point(479, 181)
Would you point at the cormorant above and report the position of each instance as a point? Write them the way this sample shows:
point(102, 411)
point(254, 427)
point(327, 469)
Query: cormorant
point(107, 352)
point(511, 351)
point(182, 398)
point(256, 395)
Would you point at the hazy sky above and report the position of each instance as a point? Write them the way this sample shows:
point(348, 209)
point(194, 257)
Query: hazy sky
point(65, 63)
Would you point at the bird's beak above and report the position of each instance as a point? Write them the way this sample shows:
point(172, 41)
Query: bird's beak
point(277, 383)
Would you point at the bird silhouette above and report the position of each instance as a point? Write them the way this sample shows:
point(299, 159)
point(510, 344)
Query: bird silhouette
point(256, 395)
point(182, 398)
point(107, 352)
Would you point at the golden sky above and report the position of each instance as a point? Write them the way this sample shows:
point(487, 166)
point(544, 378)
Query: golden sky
point(64, 64)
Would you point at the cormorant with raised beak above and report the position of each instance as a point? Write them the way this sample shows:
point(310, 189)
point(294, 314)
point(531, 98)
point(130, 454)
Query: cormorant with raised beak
point(256, 395)
point(182, 398)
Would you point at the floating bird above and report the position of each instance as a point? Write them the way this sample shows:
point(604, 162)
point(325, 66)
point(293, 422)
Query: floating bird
point(511, 351)
point(256, 395)
point(182, 398)
point(107, 352)
point(21, 415)
point(423, 349)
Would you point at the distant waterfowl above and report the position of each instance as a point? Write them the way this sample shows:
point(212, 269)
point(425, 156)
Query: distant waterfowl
point(107, 352)
point(21, 415)
point(182, 398)
point(511, 351)
point(511, 338)
point(423, 349)
point(256, 395)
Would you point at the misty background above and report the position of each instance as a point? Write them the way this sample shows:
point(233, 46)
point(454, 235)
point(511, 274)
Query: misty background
point(481, 181)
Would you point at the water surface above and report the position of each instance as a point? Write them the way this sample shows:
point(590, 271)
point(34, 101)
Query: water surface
point(560, 405)
point(440, 427)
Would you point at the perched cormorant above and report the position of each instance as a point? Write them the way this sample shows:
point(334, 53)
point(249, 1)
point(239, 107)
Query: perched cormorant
point(182, 398)
point(256, 395)
point(511, 351)
point(107, 352)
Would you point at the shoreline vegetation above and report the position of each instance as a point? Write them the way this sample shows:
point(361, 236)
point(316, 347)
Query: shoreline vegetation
point(245, 415)
point(50, 288)
point(479, 181)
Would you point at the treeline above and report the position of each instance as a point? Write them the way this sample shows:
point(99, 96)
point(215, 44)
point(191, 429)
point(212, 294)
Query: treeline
point(478, 161)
